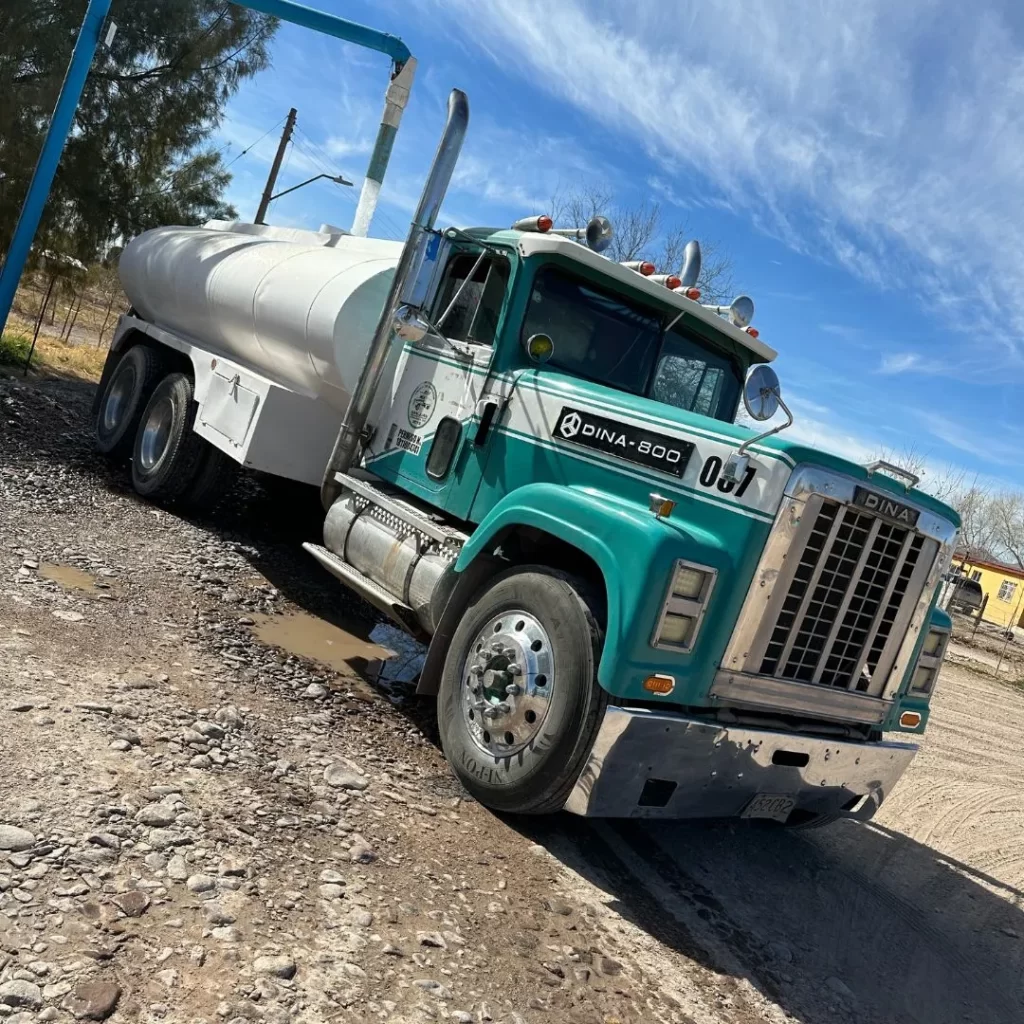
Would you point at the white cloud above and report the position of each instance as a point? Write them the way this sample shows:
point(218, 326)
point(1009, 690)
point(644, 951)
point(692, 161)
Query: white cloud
point(341, 148)
point(842, 129)
point(900, 362)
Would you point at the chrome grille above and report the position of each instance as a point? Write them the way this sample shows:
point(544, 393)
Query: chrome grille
point(853, 578)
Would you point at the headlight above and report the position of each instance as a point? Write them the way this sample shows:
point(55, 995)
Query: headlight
point(684, 605)
point(933, 650)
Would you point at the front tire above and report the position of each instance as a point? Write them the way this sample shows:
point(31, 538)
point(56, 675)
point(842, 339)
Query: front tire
point(519, 703)
point(122, 399)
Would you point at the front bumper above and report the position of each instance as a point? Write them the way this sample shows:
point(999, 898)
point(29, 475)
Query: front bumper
point(647, 764)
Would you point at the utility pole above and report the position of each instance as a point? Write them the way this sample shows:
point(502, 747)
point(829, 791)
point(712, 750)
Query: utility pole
point(268, 192)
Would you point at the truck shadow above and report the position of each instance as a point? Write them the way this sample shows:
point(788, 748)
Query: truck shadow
point(856, 921)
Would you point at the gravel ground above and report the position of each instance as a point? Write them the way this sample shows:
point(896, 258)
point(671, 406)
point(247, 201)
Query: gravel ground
point(198, 827)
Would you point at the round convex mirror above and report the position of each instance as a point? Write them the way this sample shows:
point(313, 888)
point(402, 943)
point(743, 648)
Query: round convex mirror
point(761, 392)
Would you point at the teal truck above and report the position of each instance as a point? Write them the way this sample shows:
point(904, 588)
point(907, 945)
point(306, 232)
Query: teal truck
point(529, 458)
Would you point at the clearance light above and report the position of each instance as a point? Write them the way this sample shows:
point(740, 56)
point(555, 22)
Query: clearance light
point(640, 266)
point(668, 280)
point(542, 223)
point(659, 684)
point(690, 293)
point(684, 606)
point(661, 507)
point(753, 332)
point(908, 720)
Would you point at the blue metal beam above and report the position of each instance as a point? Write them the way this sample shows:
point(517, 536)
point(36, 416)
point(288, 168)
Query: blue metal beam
point(49, 155)
point(332, 25)
point(71, 92)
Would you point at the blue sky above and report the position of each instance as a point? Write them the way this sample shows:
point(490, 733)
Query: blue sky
point(861, 163)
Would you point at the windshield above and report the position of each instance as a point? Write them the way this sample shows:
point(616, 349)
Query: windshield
point(606, 338)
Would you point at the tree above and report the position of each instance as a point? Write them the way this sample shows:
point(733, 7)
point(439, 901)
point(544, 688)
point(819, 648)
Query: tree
point(642, 232)
point(978, 530)
point(1008, 525)
point(136, 156)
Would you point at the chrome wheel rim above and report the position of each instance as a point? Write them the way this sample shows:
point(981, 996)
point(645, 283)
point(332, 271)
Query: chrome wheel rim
point(507, 682)
point(156, 432)
point(118, 396)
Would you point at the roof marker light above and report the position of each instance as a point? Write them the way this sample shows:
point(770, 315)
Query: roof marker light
point(542, 223)
point(753, 332)
point(668, 280)
point(640, 266)
point(690, 293)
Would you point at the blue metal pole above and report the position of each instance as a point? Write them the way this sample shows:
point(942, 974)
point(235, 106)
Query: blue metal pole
point(49, 156)
point(332, 25)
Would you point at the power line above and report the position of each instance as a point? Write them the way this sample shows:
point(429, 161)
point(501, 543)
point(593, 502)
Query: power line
point(393, 230)
point(204, 181)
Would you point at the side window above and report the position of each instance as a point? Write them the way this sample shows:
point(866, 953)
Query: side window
point(478, 301)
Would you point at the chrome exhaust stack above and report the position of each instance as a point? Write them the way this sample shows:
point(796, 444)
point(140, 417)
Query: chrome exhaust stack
point(350, 434)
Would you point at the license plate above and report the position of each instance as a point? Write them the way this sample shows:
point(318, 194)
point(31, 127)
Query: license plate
point(769, 805)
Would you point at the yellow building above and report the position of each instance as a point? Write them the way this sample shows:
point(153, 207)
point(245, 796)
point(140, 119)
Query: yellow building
point(1003, 587)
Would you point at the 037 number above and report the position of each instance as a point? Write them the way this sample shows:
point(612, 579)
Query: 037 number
point(711, 476)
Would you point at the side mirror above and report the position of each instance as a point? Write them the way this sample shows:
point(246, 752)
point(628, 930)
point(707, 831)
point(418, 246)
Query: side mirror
point(409, 325)
point(761, 392)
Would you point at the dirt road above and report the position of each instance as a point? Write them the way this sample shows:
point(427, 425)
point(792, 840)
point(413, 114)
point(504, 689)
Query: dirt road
point(196, 826)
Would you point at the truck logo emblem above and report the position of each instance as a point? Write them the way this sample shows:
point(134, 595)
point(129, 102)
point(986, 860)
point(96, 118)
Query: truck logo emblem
point(422, 404)
point(570, 425)
point(885, 507)
point(624, 440)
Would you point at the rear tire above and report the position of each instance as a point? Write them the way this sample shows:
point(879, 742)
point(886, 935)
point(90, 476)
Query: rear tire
point(520, 751)
point(122, 398)
point(168, 454)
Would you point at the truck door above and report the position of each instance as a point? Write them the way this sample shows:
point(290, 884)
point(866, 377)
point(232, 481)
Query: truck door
point(427, 437)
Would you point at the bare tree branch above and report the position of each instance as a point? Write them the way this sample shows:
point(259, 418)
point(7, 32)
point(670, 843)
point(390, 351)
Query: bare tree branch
point(642, 232)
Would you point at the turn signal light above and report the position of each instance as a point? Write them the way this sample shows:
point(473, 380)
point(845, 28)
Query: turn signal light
point(908, 720)
point(659, 684)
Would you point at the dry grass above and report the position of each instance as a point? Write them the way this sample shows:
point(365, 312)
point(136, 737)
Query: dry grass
point(51, 357)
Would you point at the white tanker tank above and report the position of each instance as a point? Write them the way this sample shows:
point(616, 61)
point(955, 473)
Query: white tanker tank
point(299, 306)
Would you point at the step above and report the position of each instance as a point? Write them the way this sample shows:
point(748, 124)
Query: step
point(393, 500)
point(366, 588)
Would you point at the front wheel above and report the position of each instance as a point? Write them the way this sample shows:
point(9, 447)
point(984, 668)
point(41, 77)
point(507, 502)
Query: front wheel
point(519, 703)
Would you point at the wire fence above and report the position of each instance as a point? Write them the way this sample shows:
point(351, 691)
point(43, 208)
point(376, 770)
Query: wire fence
point(75, 313)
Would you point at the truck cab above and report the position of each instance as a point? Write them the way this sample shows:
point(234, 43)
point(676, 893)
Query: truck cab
point(573, 413)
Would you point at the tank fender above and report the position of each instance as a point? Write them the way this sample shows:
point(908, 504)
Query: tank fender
point(603, 526)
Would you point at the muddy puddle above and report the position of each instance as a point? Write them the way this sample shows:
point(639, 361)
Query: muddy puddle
point(318, 640)
point(71, 578)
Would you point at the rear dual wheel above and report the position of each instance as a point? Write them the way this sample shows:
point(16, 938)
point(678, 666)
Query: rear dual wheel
point(519, 704)
point(171, 463)
point(123, 397)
